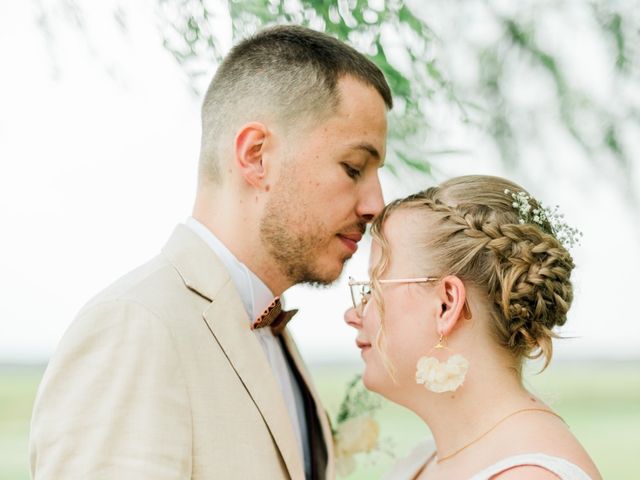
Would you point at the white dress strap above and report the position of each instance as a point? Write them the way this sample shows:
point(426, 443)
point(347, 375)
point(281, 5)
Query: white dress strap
point(561, 467)
point(408, 467)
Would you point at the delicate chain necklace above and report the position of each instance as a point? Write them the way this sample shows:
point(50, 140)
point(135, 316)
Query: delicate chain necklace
point(446, 457)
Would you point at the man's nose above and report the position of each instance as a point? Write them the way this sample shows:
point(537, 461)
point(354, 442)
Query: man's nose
point(371, 202)
point(352, 319)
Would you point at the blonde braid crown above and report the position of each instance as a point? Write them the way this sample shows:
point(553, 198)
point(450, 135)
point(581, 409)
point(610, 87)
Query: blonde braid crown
point(523, 268)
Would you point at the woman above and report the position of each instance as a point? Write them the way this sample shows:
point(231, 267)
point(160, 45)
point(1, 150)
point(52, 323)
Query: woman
point(468, 279)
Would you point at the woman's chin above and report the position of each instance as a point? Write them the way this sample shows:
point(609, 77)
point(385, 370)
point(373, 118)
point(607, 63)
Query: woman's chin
point(371, 382)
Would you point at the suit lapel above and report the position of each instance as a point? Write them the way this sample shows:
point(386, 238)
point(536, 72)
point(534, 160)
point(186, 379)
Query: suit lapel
point(227, 320)
point(230, 326)
point(327, 436)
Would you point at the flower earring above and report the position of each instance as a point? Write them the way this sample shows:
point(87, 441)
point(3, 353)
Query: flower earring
point(439, 376)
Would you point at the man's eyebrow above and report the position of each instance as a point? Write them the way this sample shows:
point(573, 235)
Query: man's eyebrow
point(370, 149)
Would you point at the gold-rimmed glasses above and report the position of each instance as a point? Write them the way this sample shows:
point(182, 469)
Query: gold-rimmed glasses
point(361, 290)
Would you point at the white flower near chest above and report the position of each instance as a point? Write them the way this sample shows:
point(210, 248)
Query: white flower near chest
point(355, 435)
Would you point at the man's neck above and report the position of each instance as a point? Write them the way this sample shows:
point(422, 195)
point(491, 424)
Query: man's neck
point(240, 234)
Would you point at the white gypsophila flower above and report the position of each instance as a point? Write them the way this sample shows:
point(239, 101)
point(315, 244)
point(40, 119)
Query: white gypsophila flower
point(442, 376)
point(356, 435)
point(345, 465)
point(568, 236)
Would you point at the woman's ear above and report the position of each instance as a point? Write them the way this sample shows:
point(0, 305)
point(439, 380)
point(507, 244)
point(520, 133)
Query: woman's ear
point(249, 148)
point(453, 296)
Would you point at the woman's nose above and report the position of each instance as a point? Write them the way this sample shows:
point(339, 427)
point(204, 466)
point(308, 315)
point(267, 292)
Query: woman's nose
point(352, 319)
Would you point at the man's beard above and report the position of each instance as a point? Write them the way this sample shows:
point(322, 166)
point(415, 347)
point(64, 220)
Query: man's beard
point(296, 242)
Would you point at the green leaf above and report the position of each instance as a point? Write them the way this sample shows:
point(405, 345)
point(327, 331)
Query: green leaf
point(420, 165)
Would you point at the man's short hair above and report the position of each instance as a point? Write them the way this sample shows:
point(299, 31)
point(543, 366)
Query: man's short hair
point(286, 73)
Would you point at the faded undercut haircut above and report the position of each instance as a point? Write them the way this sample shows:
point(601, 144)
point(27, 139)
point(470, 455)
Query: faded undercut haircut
point(285, 73)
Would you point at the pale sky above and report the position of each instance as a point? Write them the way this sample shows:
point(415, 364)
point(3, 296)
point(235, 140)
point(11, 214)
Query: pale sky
point(99, 142)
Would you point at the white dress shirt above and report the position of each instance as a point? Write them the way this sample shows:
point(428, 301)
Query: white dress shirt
point(256, 297)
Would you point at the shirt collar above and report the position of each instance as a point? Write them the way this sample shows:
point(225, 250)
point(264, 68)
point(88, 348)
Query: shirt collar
point(255, 295)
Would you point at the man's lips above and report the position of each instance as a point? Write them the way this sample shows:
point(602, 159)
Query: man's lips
point(351, 240)
point(356, 236)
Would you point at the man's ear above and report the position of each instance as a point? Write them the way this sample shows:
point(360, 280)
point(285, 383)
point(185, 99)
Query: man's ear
point(453, 296)
point(249, 147)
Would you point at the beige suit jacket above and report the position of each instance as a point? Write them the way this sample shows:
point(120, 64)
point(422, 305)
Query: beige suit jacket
point(160, 377)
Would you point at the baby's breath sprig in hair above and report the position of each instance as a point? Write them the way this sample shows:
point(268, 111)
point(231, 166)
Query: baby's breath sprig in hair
point(568, 236)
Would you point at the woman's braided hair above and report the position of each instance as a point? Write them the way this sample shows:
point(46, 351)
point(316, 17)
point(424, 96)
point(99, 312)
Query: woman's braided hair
point(477, 236)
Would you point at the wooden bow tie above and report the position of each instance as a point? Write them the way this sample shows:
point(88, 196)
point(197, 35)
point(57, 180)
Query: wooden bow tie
point(274, 317)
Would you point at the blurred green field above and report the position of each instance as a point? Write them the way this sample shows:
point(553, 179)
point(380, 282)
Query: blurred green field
point(600, 401)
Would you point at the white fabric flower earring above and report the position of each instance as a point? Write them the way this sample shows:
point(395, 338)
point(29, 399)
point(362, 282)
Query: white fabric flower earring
point(439, 376)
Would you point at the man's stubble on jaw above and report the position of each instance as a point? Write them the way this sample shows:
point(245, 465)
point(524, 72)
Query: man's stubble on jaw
point(297, 242)
point(294, 241)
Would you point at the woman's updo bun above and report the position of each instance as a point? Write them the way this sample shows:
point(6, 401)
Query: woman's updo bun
point(479, 236)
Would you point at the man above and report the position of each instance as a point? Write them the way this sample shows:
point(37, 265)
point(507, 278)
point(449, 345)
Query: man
point(174, 372)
